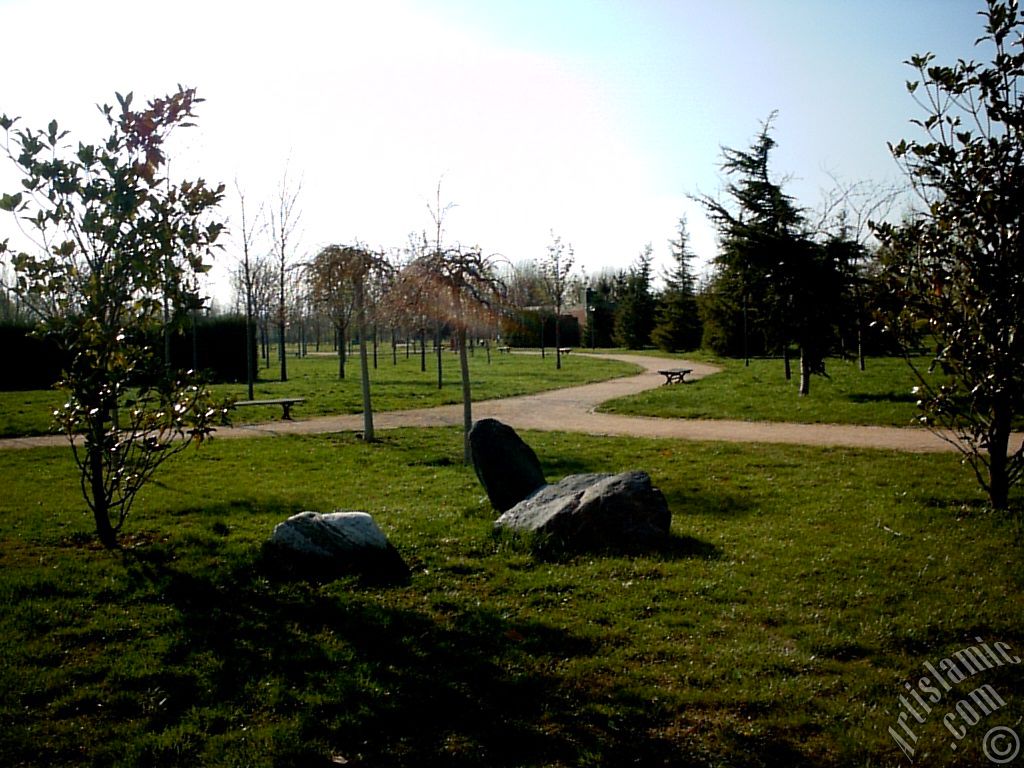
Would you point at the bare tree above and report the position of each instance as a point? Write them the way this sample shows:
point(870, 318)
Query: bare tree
point(555, 271)
point(250, 228)
point(284, 222)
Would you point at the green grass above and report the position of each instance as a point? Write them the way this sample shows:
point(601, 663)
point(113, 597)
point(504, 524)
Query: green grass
point(804, 586)
point(881, 395)
point(393, 386)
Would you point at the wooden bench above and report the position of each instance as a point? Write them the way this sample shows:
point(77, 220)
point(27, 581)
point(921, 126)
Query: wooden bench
point(286, 404)
point(673, 375)
point(564, 350)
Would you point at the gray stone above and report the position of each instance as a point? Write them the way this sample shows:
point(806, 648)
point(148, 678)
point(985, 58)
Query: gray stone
point(507, 467)
point(338, 543)
point(623, 512)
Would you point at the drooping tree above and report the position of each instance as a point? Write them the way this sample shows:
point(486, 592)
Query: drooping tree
point(113, 251)
point(340, 278)
point(958, 266)
point(459, 287)
point(677, 322)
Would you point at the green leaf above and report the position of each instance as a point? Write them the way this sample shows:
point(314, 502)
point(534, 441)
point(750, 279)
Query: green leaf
point(10, 203)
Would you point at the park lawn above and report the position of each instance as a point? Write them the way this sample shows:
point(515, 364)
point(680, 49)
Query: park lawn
point(882, 394)
point(803, 587)
point(396, 384)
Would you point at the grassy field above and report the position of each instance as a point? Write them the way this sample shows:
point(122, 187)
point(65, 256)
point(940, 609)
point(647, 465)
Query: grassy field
point(803, 588)
point(394, 386)
point(882, 394)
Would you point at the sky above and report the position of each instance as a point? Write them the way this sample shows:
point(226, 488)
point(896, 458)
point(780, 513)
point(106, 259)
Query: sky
point(595, 120)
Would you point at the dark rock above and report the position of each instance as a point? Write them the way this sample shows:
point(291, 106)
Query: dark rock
point(622, 512)
point(507, 467)
point(326, 546)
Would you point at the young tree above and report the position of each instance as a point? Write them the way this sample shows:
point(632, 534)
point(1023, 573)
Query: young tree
point(456, 286)
point(634, 316)
point(248, 268)
point(555, 271)
point(340, 279)
point(677, 325)
point(284, 221)
point(112, 239)
point(959, 265)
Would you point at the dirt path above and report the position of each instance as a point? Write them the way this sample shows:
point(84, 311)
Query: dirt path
point(573, 410)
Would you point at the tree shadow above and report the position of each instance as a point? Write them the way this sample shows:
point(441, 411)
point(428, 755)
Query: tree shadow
point(352, 672)
point(882, 397)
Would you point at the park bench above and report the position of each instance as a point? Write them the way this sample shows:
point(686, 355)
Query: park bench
point(504, 349)
point(286, 404)
point(673, 375)
point(564, 350)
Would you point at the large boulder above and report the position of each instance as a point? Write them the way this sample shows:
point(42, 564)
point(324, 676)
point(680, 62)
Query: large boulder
point(623, 512)
point(336, 544)
point(507, 467)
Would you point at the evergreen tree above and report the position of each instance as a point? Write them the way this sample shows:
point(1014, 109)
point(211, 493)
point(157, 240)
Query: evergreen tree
point(784, 285)
point(678, 325)
point(634, 319)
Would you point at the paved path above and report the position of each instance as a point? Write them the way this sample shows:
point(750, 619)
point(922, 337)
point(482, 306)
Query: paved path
point(573, 410)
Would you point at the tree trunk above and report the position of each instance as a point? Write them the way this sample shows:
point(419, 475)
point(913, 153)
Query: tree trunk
point(364, 366)
point(440, 354)
point(805, 373)
point(282, 354)
point(558, 342)
point(467, 398)
point(340, 331)
point(100, 503)
point(250, 353)
point(785, 358)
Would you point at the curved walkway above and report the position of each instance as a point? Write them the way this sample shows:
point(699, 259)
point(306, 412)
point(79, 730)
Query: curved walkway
point(574, 410)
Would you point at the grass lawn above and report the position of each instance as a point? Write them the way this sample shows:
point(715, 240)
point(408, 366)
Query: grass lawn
point(393, 386)
point(804, 587)
point(882, 394)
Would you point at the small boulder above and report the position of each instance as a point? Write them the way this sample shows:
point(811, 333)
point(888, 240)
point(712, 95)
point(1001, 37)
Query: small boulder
point(507, 467)
point(623, 512)
point(336, 544)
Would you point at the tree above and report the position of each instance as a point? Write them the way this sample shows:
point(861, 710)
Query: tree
point(958, 266)
point(555, 271)
point(769, 264)
point(247, 274)
point(677, 324)
point(459, 287)
point(340, 278)
point(330, 276)
point(634, 316)
point(284, 221)
point(110, 239)
point(845, 226)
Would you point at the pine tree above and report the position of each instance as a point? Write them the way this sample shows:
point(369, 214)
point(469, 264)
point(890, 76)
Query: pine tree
point(634, 318)
point(678, 325)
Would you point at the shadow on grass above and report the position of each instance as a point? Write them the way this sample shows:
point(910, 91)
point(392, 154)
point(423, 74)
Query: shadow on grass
point(882, 397)
point(336, 670)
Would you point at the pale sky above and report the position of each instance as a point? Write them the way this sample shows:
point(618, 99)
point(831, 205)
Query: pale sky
point(596, 119)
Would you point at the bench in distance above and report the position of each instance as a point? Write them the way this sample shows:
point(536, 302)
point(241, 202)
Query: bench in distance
point(673, 375)
point(286, 404)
